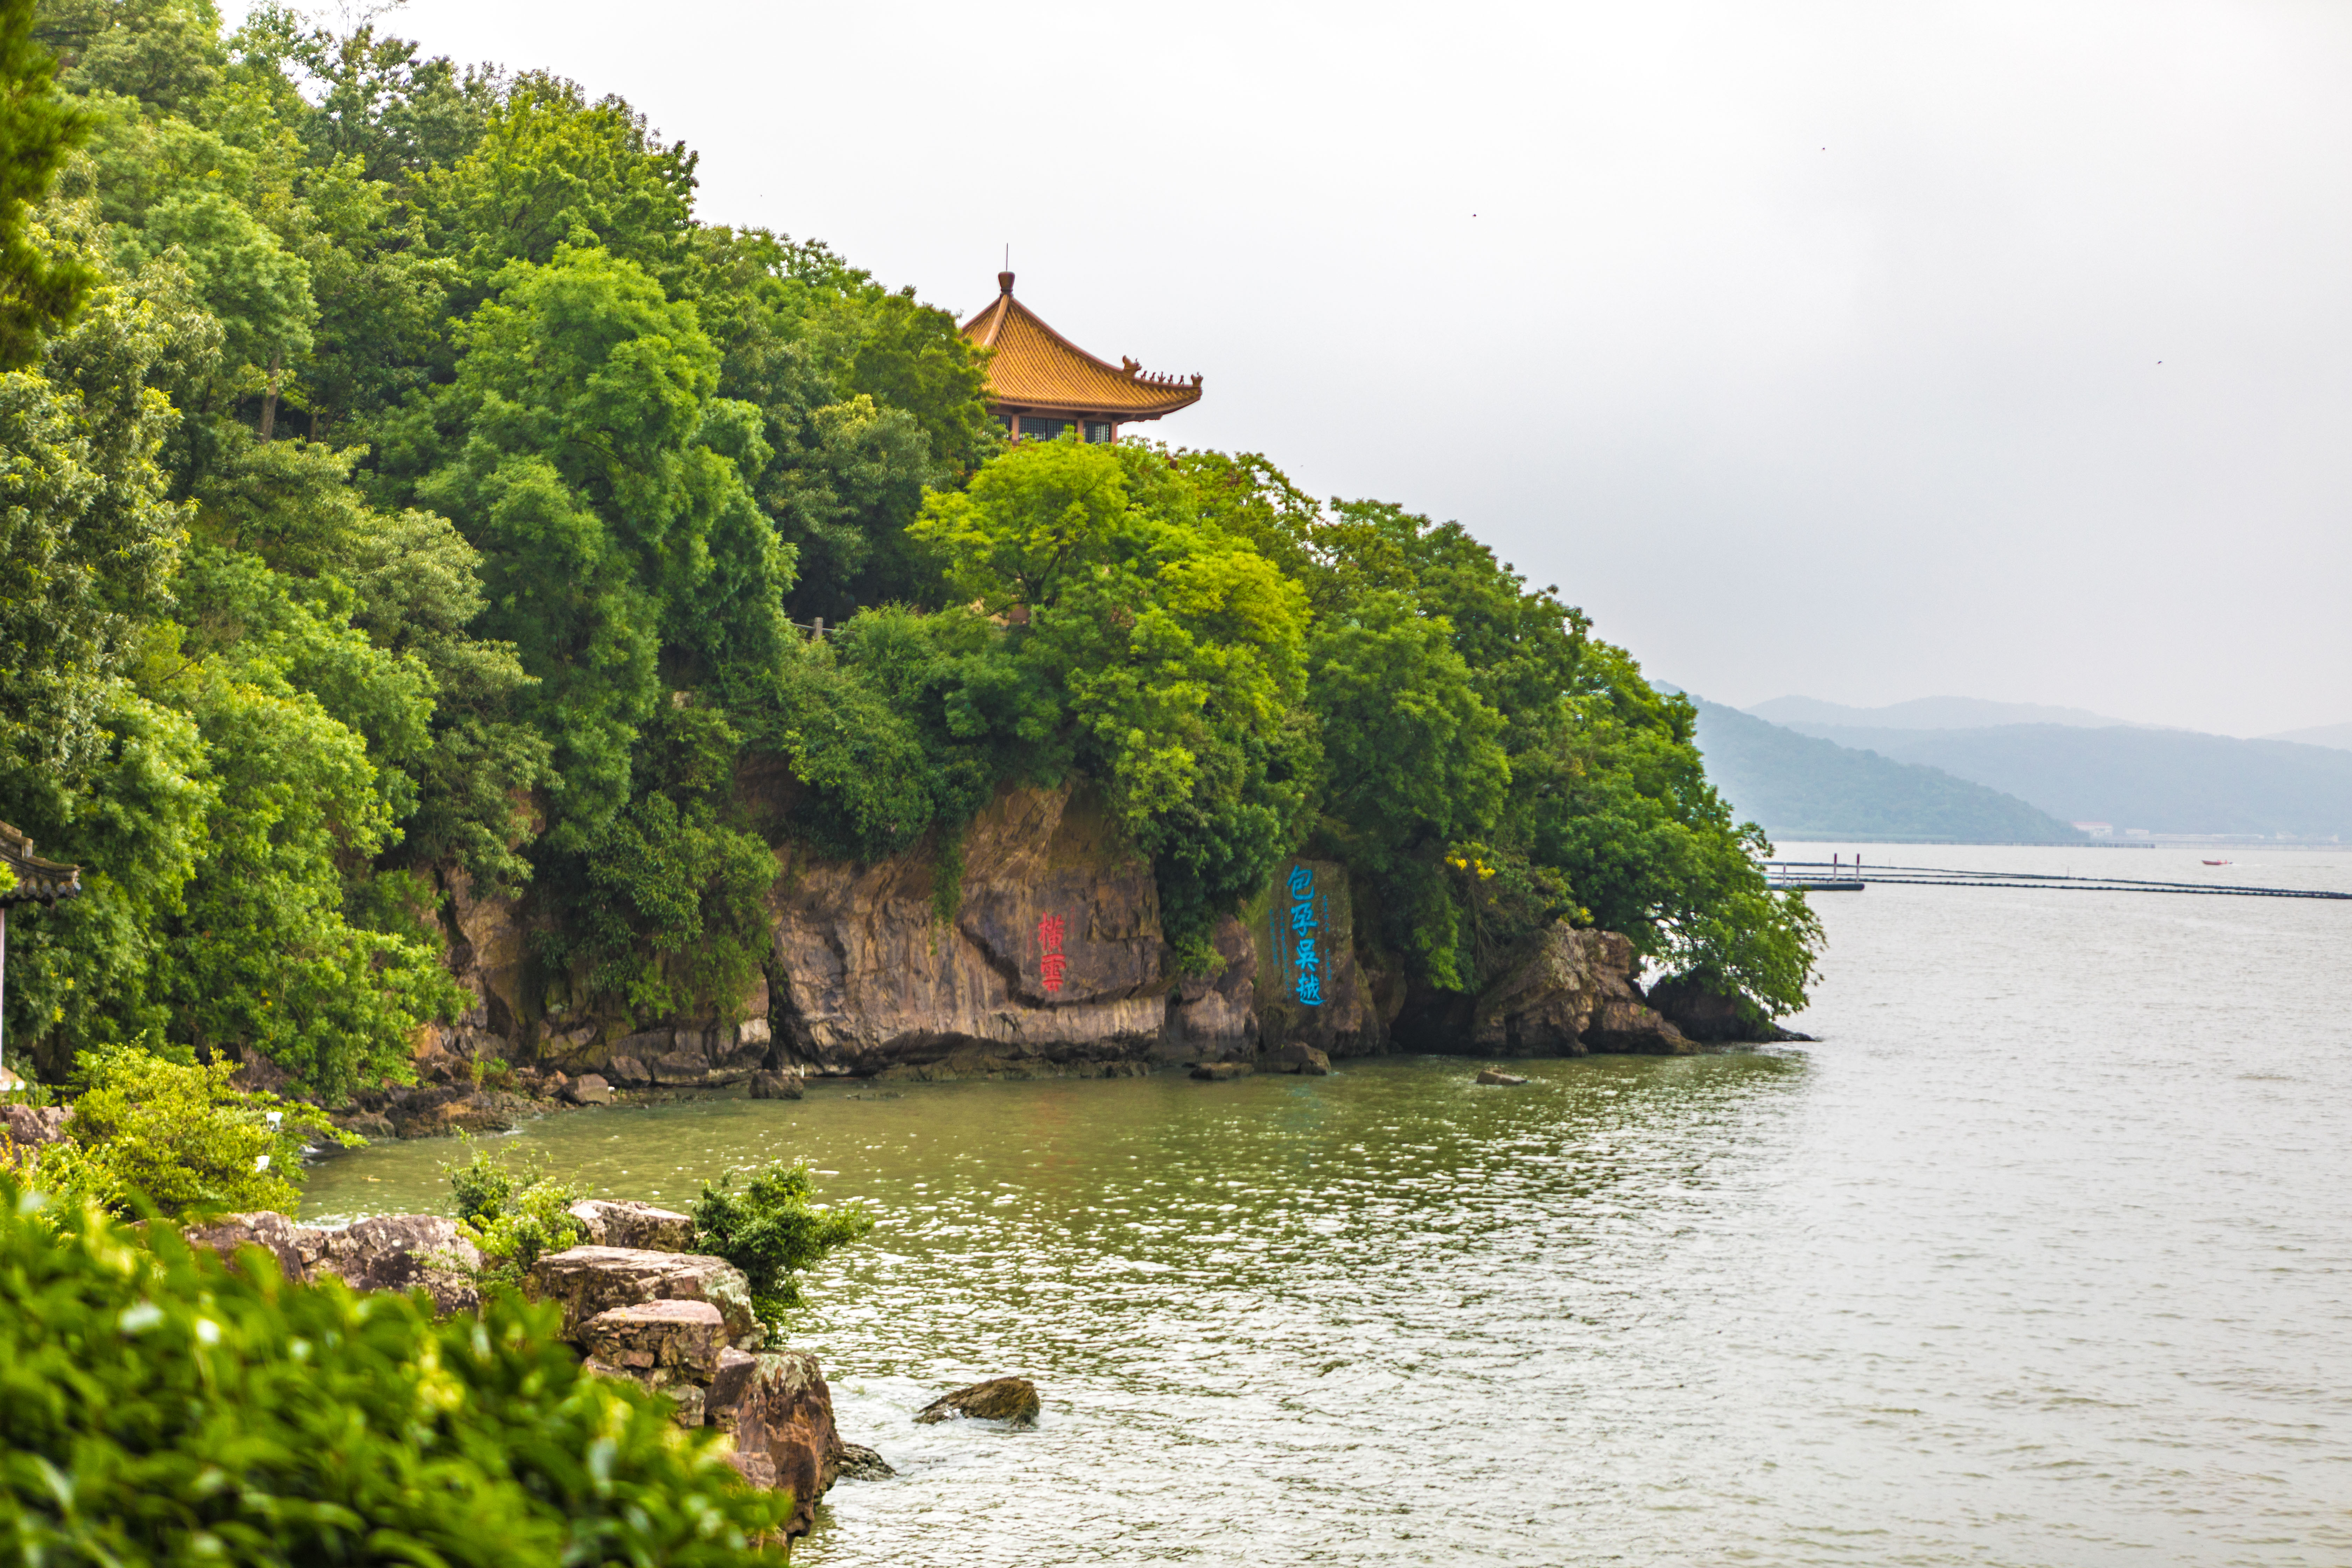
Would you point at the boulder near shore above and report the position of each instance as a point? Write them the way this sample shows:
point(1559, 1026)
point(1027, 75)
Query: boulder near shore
point(677, 1322)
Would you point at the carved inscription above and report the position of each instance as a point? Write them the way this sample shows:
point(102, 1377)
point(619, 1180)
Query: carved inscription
point(1052, 967)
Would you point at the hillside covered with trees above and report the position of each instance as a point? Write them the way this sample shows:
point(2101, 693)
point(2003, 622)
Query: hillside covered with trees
point(403, 486)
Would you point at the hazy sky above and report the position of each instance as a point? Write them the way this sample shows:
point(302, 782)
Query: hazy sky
point(1864, 350)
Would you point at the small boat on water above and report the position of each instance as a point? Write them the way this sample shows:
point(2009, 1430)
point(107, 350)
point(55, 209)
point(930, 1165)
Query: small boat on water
point(2217, 862)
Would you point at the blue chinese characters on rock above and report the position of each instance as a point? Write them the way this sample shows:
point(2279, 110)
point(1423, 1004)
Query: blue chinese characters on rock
point(1299, 918)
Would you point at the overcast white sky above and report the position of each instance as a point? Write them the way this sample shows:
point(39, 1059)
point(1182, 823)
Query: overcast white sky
point(1864, 351)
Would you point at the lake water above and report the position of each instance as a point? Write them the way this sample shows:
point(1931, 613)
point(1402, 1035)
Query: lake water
point(2041, 1255)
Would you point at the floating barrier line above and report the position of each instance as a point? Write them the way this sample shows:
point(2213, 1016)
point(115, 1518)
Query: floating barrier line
point(1831, 876)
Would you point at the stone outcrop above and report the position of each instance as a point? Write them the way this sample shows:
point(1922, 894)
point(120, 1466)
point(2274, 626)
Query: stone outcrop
point(1052, 964)
point(1495, 1076)
point(586, 1280)
point(776, 1086)
point(1012, 1400)
point(784, 1435)
point(393, 1252)
point(679, 1324)
point(611, 1222)
point(32, 1126)
point(1714, 1016)
point(1570, 994)
point(658, 1342)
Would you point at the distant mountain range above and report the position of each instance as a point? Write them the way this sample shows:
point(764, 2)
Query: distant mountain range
point(1930, 713)
point(2336, 735)
point(2168, 781)
point(1800, 787)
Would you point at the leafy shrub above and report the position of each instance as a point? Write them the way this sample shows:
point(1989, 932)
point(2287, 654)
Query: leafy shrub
point(179, 1136)
point(512, 1214)
point(772, 1231)
point(157, 1405)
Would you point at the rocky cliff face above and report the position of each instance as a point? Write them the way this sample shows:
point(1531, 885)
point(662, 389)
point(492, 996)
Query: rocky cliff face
point(1053, 965)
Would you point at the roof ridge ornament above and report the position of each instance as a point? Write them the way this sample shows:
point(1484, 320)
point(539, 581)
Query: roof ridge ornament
point(1004, 282)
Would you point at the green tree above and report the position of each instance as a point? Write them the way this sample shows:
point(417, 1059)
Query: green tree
point(181, 1138)
point(39, 287)
point(773, 1230)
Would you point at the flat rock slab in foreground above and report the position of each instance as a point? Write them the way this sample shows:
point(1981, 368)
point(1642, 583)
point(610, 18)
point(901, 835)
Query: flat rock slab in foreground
point(1491, 1075)
point(587, 1280)
point(400, 1252)
point(1012, 1400)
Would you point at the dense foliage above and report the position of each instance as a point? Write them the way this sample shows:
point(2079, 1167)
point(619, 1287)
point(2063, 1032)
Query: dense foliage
point(773, 1230)
point(156, 1406)
point(512, 1214)
point(403, 494)
point(152, 1135)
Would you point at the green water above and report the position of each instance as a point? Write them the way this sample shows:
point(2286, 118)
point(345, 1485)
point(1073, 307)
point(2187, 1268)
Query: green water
point(2037, 1258)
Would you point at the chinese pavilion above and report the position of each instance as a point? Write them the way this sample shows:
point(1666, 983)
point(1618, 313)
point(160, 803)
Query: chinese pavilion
point(1040, 383)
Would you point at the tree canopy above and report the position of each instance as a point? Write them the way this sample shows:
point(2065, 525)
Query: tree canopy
point(407, 495)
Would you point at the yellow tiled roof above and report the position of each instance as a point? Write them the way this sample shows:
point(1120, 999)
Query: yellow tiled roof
point(1036, 367)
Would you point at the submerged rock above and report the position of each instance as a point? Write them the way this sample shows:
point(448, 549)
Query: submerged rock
point(611, 1222)
point(768, 1085)
point(1012, 1400)
point(856, 1462)
point(1296, 1058)
point(1221, 1072)
point(1491, 1075)
point(589, 1088)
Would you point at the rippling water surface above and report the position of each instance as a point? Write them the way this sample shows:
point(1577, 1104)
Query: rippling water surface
point(2040, 1257)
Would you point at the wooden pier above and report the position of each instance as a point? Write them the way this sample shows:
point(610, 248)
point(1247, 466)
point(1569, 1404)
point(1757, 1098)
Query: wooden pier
point(1838, 876)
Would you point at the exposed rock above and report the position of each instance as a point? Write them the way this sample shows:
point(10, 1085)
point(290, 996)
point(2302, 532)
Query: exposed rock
point(1569, 993)
point(1491, 1075)
point(690, 1399)
point(1221, 1072)
point(1051, 964)
point(1213, 1017)
point(1308, 987)
point(1296, 1058)
point(31, 1126)
point(662, 1341)
point(611, 1222)
point(397, 1252)
point(727, 1382)
point(768, 1085)
point(588, 1089)
point(1714, 1016)
point(784, 1435)
point(273, 1233)
point(586, 1280)
point(452, 1108)
point(1012, 1400)
point(856, 1462)
point(369, 1124)
point(700, 1057)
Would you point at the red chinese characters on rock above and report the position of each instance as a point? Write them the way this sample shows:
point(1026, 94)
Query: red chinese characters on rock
point(1052, 967)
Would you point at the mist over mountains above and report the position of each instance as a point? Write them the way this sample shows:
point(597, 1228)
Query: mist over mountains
point(1970, 769)
point(1927, 713)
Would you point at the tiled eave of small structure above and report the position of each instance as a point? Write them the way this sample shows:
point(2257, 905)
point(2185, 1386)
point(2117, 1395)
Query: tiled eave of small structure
point(38, 880)
point(1035, 370)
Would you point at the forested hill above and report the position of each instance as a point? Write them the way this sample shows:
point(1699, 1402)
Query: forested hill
point(407, 494)
point(1800, 787)
point(2168, 780)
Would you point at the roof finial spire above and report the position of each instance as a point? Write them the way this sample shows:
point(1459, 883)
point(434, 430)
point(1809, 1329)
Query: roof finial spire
point(1004, 278)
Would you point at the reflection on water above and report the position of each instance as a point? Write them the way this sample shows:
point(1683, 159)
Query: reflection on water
point(2036, 1258)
